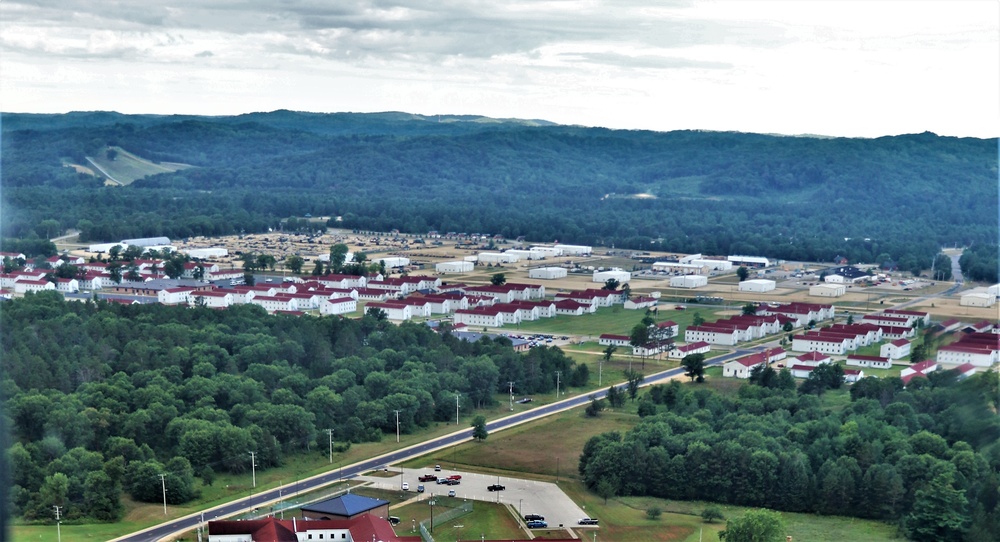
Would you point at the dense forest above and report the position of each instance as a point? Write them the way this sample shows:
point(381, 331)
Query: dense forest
point(105, 397)
point(927, 457)
point(893, 198)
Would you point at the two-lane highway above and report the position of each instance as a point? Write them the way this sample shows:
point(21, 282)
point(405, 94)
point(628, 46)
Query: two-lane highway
point(190, 522)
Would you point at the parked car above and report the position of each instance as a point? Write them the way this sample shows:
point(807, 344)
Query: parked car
point(393, 520)
point(451, 492)
point(427, 478)
point(537, 524)
point(441, 481)
point(420, 488)
point(437, 468)
point(452, 482)
point(588, 521)
point(455, 477)
point(495, 487)
point(406, 486)
point(534, 517)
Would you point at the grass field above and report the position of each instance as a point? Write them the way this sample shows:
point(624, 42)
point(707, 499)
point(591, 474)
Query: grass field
point(494, 521)
point(127, 167)
point(549, 449)
point(615, 319)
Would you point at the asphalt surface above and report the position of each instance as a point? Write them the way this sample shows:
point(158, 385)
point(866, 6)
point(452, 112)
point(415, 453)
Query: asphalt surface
point(190, 522)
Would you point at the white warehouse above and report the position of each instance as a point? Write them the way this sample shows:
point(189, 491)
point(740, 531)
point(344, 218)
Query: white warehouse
point(977, 299)
point(203, 253)
point(714, 265)
point(497, 257)
point(529, 254)
point(547, 273)
point(395, 261)
point(688, 281)
point(575, 250)
point(550, 252)
point(620, 275)
point(757, 285)
point(454, 267)
point(827, 290)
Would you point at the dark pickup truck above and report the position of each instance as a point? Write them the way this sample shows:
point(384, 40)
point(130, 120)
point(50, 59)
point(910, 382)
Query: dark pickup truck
point(427, 478)
point(495, 487)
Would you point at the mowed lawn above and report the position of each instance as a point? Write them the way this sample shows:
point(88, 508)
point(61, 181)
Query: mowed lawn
point(615, 319)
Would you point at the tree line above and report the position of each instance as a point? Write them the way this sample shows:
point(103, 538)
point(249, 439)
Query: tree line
point(251, 175)
point(103, 398)
point(926, 457)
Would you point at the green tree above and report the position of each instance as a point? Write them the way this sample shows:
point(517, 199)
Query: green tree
point(742, 272)
point(616, 397)
point(611, 284)
point(634, 380)
point(294, 263)
point(749, 309)
point(755, 526)
point(479, 428)
point(787, 327)
point(694, 366)
point(595, 407)
point(605, 489)
point(940, 512)
point(698, 319)
point(654, 512)
point(338, 256)
point(712, 513)
point(498, 279)
point(609, 351)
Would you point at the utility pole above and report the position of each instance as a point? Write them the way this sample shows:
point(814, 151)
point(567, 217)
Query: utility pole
point(253, 467)
point(330, 432)
point(58, 523)
point(457, 395)
point(558, 375)
point(163, 482)
point(600, 372)
point(397, 425)
point(511, 384)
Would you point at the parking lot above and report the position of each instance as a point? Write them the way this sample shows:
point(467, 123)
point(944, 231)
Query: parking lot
point(526, 496)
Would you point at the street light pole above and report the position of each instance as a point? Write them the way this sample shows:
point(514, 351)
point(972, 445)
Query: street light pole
point(330, 433)
point(558, 375)
point(457, 395)
point(58, 523)
point(511, 384)
point(163, 482)
point(397, 424)
point(253, 466)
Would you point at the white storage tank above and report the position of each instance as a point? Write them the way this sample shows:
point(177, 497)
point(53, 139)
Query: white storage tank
point(688, 281)
point(547, 273)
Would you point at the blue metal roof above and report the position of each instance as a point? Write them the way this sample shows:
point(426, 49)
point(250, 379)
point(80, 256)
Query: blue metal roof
point(346, 505)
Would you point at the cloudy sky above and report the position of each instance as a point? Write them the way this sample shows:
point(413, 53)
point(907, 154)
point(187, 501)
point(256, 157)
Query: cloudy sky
point(847, 68)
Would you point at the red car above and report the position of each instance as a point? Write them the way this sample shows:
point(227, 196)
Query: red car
point(455, 477)
point(427, 478)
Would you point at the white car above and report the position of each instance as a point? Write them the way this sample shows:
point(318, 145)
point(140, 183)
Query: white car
point(406, 486)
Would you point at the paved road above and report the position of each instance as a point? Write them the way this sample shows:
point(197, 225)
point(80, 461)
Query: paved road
point(190, 522)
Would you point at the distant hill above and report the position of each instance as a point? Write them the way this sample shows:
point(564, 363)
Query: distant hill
point(121, 167)
point(713, 192)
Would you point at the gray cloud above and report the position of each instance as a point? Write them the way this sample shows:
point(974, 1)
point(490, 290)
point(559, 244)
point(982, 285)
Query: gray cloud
point(644, 61)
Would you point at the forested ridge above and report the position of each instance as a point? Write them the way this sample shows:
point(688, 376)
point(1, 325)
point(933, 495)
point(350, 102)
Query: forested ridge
point(927, 458)
point(799, 198)
point(105, 397)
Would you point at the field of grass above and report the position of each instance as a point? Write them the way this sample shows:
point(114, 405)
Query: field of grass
point(615, 319)
point(127, 167)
